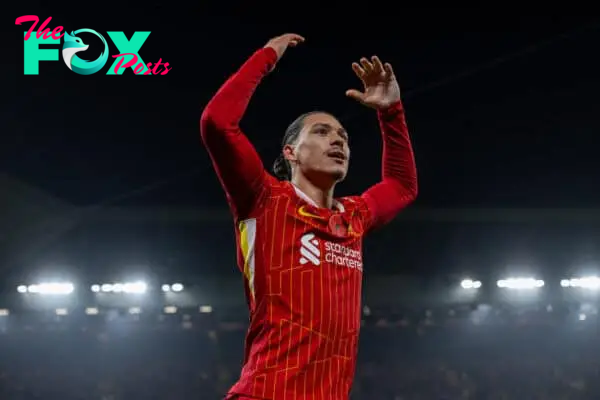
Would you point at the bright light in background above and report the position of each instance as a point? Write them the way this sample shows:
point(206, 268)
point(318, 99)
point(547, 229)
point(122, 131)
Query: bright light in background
point(127, 287)
point(170, 310)
point(205, 309)
point(58, 288)
point(135, 287)
point(470, 284)
point(587, 282)
point(176, 287)
point(4, 312)
point(92, 311)
point(61, 311)
point(520, 283)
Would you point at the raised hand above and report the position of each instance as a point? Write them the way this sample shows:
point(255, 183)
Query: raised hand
point(380, 86)
point(281, 43)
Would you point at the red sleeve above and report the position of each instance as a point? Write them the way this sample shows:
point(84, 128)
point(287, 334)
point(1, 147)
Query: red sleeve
point(398, 186)
point(238, 166)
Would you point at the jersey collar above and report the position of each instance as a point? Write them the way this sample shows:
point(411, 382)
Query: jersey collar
point(336, 204)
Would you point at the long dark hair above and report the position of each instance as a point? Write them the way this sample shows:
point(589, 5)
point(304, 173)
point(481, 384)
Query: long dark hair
point(281, 167)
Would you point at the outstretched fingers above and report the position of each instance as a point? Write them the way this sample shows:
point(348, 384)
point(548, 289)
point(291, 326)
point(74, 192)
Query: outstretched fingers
point(377, 65)
point(389, 71)
point(373, 68)
point(358, 70)
point(293, 39)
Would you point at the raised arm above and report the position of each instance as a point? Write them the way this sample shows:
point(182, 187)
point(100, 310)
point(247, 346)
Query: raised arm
point(398, 186)
point(238, 165)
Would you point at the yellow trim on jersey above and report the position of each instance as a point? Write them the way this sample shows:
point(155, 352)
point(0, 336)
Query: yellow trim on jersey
point(247, 230)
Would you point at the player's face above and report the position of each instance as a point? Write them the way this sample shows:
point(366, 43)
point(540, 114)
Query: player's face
point(321, 150)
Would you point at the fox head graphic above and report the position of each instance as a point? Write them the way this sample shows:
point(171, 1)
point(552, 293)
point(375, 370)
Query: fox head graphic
point(73, 45)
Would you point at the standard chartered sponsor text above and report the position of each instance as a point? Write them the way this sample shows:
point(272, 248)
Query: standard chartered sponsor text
point(343, 256)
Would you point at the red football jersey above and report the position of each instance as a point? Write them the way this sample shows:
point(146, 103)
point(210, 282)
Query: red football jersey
point(302, 264)
point(303, 271)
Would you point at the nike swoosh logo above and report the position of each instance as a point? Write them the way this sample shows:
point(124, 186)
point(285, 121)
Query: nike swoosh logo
point(302, 211)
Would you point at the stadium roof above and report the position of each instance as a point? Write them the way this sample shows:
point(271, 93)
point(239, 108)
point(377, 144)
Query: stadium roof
point(25, 212)
point(36, 223)
point(462, 215)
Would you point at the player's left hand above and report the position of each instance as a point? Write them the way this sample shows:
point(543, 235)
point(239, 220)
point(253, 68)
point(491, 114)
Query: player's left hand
point(381, 88)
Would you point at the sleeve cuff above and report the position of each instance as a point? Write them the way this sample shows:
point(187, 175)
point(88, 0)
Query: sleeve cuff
point(392, 111)
point(269, 55)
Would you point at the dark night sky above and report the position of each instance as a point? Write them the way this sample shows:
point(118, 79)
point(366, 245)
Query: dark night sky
point(503, 111)
point(519, 133)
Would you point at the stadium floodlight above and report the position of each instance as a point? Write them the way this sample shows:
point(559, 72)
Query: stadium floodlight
point(520, 283)
point(138, 287)
point(170, 310)
point(586, 282)
point(92, 311)
point(205, 309)
point(61, 311)
point(176, 287)
point(118, 288)
point(135, 287)
point(55, 288)
point(470, 284)
point(4, 312)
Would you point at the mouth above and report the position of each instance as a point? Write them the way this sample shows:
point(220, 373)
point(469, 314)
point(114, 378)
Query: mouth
point(337, 155)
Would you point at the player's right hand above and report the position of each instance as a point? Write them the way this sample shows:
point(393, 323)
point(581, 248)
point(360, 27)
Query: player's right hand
point(281, 43)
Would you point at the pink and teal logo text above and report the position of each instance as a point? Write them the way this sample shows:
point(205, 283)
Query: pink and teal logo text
point(128, 57)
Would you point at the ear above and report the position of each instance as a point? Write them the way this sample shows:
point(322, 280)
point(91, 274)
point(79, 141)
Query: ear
point(289, 153)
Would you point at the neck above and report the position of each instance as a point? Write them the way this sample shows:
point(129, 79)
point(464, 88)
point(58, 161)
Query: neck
point(322, 195)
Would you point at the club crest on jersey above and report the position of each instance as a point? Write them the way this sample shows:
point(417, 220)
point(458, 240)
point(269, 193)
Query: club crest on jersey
point(338, 226)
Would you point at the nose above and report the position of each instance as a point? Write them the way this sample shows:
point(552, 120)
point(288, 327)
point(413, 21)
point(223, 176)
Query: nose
point(337, 142)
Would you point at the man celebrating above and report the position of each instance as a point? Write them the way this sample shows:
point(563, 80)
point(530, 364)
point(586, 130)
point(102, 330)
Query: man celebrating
point(299, 248)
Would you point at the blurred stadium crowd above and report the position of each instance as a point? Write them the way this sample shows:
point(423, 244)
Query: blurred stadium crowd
point(431, 335)
point(132, 342)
